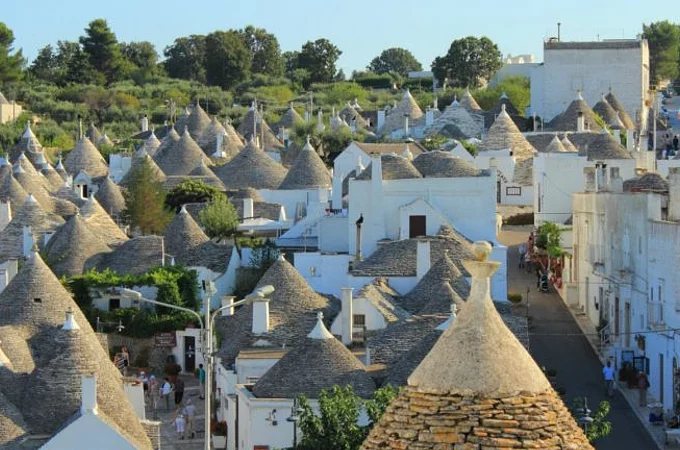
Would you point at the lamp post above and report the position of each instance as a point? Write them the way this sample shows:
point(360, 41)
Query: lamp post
point(585, 418)
point(206, 332)
point(294, 419)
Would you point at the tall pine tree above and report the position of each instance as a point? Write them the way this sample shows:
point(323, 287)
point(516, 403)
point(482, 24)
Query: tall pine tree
point(145, 200)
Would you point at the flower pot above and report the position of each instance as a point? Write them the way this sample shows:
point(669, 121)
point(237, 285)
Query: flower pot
point(219, 442)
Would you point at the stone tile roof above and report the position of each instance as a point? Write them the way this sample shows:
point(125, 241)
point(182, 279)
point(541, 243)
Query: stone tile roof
point(28, 143)
point(85, 156)
point(12, 425)
point(202, 170)
point(172, 182)
point(182, 157)
point(556, 146)
point(390, 344)
point(92, 133)
point(110, 197)
point(289, 119)
point(52, 176)
point(398, 258)
point(308, 171)
point(292, 313)
point(246, 192)
point(135, 256)
point(252, 168)
point(168, 141)
point(605, 110)
point(318, 363)
point(383, 298)
point(439, 164)
point(468, 378)
point(137, 159)
point(504, 134)
point(513, 112)
point(45, 378)
point(11, 191)
point(29, 214)
point(104, 140)
point(98, 219)
point(183, 234)
point(394, 167)
point(151, 144)
point(348, 113)
point(72, 247)
point(596, 146)
point(468, 102)
point(397, 148)
point(567, 120)
point(395, 119)
point(231, 144)
point(647, 182)
point(457, 122)
point(618, 107)
point(198, 122)
point(271, 142)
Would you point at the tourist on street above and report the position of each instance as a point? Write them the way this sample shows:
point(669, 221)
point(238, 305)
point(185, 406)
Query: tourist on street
point(166, 390)
point(522, 253)
point(643, 385)
point(190, 417)
point(201, 381)
point(179, 391)
point(676, 143)
point(145, 383)
point(180, 421)
point(126, 359)
point(154, 392)
point(608, 373)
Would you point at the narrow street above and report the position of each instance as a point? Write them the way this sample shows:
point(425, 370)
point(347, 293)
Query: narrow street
point(557, 343)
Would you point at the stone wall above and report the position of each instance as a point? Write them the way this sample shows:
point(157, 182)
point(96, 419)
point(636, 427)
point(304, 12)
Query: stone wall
point(419, 419)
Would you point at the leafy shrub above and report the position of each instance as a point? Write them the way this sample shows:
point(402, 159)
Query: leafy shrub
point(520, 219)
point(514, 297)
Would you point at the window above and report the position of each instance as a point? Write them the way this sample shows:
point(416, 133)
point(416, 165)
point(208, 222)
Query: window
point(37, 300)
point(417, 226)
point(513, 190)
point(114, 303)
point(359, 320)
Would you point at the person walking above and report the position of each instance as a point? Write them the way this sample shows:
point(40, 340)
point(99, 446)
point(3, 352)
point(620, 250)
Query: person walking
point(190, 417)
point(179, 391)
point(643, 385)
point(180, 421)
point(126, 359)
point(522, 253)
point(154, 392)
point(165, 391)
point(676, 143)
point(608, 374)
point(201, 381)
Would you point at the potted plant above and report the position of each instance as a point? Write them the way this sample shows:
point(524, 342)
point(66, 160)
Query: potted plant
point(219, 434)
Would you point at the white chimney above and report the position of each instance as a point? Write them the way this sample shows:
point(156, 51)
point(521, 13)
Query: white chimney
point(580, 123)
point(145, 123)
point(360, 167)
point(376, 169)
point(533, 116)
point(600, 177)
point(228, 301)
point(27, 240)
point(381, 119)
point(367, 357)
point(630, 140)
point(248, 208)
point(674, 193)
point(12, 268)
point(219, 141)
point(336, 194)
point(429, 117)
point(589, 175)
point(70, 324)
point(5, 214)
point(617, 135)
point(406, 131)
point(615, 180)
point(261, 316)
point(347, 315)
point(422, 259)
point(319, 120)
point(89, 394)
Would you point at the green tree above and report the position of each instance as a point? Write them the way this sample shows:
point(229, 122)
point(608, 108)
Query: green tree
point(145, 201)
point(395, 59)
point(318, 58)
point(663, 39)
point(265, 51)
point(219, 218)
point(227, 59)
point(185, 58)
point(600, 426)
point(468, 61)
point(335, 426)
point(101, 46)
point(45, 66)
point(143, 56)
point(11, 62)
point(191, 191)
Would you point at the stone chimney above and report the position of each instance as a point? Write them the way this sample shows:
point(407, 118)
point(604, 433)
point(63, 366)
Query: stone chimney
point(248, 208)
point(589, 176)
point(580, 123)
point(615, 180)
point(357, 256)
point(319, 120)
point(228, 300)
point(422, 259)
point(145, 123)
point(601, 177)
point(347, 315)
point(89, 394)
point(533, 116)
point(406, 130)
point(381, 119)
point(261, 316)
point(27, 240)
point(80, 127)
point(674, 193)
point(5, 214)
point(429, 117)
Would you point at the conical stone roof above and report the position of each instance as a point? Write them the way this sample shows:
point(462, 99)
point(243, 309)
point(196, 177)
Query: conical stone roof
point(104, 140)
point(308, 171)
point(455, 115)
point(98, 219)
point(11, 191)
point(183, 234)
point(202, 170)
point(52, 176)
point(253, 121)
point(567, 121)
point(468, 102)
point(168, 142)
point(34, 179)
point(460, 391)
point(395, 119)
point(198, 121)
point(504, 134)
point(556, 146)
point(567, 144)
point(28, 143)
point(73, 247)
point(318, 363)
point(348, 113)
point(151, 144)
point(139, 157)
point(182, 157)
point(393, 168)
point(605, 110)
point(31, 214)
point(251, 168)
point(110, 197)
point(92, 133)
point(618, 107)
point(440, 164)
point(289, 119)
point(85, 156)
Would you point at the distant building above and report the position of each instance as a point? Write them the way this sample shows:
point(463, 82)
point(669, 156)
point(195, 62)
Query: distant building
point(593, 68)
point(9, 111)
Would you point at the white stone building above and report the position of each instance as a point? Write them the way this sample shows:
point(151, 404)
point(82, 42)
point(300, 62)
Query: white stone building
point(9, 111)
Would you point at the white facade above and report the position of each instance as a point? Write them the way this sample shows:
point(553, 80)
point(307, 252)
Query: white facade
point(593, 68)
point(625, 270)
point(9, 112)
point(507, 191)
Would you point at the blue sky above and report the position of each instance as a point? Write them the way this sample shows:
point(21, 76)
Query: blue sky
point(361, 29)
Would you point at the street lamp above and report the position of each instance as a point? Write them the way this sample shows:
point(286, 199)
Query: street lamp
point(294, 418)
point(206, 324)
point(585, 418)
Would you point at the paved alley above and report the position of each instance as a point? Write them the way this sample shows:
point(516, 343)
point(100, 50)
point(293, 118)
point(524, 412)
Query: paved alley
point(557, 342)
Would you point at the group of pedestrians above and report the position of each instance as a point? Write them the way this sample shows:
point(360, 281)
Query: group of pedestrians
point(642, 383)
